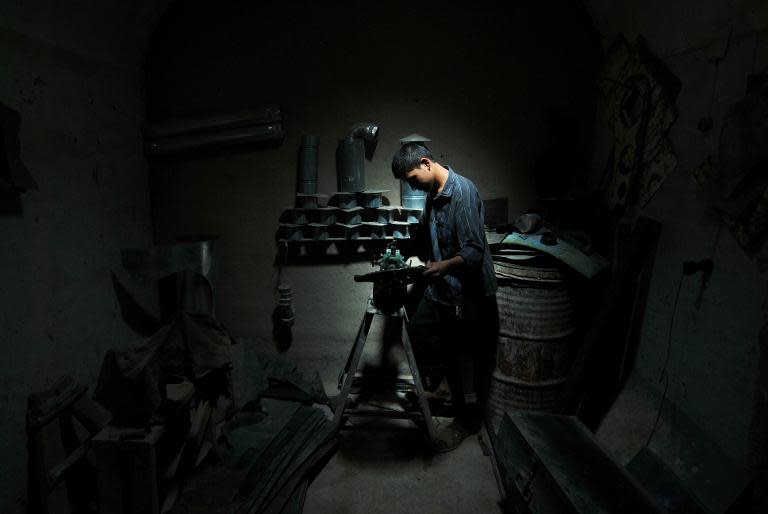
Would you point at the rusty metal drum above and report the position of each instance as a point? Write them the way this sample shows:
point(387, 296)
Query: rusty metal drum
point(535, 340)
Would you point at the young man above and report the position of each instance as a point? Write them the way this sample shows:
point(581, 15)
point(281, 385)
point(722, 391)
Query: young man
point(457, 314)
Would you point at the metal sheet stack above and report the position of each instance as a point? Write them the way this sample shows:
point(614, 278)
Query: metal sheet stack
point(272, 457)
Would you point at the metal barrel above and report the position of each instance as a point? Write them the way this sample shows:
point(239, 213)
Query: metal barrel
point(306, 181)
point(535, 340)
point(350, 170)
point(411, 198)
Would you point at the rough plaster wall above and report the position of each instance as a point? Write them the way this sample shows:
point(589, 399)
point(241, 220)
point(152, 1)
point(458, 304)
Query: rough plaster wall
point(478, 81)
point(73, 72)
point(713, 363)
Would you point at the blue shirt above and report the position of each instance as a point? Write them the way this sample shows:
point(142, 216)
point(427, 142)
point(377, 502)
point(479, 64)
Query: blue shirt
point(453, 223)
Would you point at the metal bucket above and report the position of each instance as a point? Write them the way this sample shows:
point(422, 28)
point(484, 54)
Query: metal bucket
point(535, 341)
point(191, 253)
point(306, 181)
point(411, 198)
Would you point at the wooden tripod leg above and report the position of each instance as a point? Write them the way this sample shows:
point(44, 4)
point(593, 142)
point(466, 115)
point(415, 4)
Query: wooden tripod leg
point(417, 382)
point(353, 363)
point(351, 354)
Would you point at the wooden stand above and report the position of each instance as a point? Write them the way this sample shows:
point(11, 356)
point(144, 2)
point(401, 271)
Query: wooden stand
point(126, 467)
point(353, 361)
point(56, 447)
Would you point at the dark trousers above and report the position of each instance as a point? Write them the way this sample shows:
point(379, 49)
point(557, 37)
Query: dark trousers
point(445, 344)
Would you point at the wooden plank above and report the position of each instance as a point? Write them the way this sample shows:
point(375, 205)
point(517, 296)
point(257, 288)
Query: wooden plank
point(127, 474)
point(142, 475)
point(51, 435)
point(353, 363)
point(107, 461)
point(91, 414)
point(57, 473)
point(423, 403)
point(47, 405)
point(45, 446)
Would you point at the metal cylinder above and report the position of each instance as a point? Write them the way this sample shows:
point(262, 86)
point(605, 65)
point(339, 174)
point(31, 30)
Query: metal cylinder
point(285, 303)
point(351, 165)
point(306, 181)
point(411, 198)
point(535, 341)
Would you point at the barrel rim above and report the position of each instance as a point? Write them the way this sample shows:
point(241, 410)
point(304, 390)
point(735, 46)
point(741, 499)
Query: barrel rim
point(501, 377)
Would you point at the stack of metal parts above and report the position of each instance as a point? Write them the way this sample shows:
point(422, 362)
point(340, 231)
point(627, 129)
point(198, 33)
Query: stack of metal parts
point(317, 225)
point(177, 443)
point(347, 217)
point(271, 459)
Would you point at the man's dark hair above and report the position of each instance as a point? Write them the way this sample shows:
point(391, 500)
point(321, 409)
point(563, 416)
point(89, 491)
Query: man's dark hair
point(407, 158)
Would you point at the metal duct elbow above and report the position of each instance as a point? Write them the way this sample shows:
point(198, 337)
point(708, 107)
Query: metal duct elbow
point(367, 131)
point(351, 153)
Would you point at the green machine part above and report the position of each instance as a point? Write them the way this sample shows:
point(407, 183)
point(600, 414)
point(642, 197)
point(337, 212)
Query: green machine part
point(391, 259)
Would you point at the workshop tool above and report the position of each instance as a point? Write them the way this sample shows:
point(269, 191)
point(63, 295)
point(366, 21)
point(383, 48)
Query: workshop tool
point(389, 288)
point(390, 282)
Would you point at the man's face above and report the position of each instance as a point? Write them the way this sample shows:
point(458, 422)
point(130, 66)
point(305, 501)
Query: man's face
point(420, 178)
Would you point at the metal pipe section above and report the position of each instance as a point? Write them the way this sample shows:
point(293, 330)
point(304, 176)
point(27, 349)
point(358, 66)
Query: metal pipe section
point(308, 161)
point(351, 153)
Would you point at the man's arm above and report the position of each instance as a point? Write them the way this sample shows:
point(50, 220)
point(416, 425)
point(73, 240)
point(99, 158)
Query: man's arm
point(442, 268)
point(417, 244)
point(470, 228)
point(470, 233)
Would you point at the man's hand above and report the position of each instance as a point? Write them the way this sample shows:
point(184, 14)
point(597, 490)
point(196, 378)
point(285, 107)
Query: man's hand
point(439, 269)
point(436, 269)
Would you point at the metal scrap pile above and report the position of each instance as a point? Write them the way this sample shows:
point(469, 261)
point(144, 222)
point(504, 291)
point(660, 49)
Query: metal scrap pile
point(146, 382)
point(267, 464)
point(172, 392)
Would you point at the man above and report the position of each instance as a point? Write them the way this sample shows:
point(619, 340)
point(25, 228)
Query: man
point(457, 312)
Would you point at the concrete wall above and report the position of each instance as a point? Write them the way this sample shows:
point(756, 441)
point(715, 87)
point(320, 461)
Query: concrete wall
point(73, 72)
point(480, 82)
point(713, 365)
